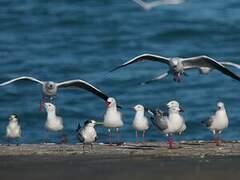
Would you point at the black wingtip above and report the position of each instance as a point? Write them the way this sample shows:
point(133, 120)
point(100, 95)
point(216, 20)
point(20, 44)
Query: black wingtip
point(114, 69)
point(203, 122)
point(78, 128)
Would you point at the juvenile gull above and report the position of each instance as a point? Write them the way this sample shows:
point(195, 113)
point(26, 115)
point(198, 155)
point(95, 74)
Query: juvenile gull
point(13, 129)
point(171, 123)
point(218, 122)
point(140, 122)
point(53, 123)
point(112, 118)
point(153, 4)
point(177, 66)
point(49, 88)
point(87, 134)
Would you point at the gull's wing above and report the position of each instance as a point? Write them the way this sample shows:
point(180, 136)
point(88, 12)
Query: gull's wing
point(142, 4)
point(156, 78)
point(231, 64)
point(208, 122)
point(143, 57)
point(159, 120)
point(25, 78)
point(80, 136)
point(83, 85)
point(150, 5)
point(205, 61)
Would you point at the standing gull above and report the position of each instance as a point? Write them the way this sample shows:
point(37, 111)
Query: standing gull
point(140, 122)
point(13, 130)
point(171, 123)
point(153, 4)
point(49, 88)
point(177, 66)
point(218, 122)
point(53, 123)
point(112, 118)
point(87, 134)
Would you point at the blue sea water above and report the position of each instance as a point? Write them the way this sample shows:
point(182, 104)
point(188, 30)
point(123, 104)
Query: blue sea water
point(71, 39)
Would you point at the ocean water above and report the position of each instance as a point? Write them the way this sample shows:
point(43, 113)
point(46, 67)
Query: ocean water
point(72, 39)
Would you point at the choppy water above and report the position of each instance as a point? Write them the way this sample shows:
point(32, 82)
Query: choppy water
point(62, 40)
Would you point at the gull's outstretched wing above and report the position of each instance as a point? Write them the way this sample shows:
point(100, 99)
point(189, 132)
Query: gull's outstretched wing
point(23, 78)
point(231, 64)
point(143, 57)
point(156, 78)
point(83, 85)
point(150, 5)
point(142, 4)
point(205, 61)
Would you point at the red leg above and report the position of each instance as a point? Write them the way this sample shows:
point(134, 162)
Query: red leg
point(170, 142)
point(43, 100)
point(143, 136)
point(217, 140)
point(136, 137)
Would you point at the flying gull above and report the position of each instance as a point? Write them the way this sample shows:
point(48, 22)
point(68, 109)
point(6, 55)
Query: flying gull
point(140, 122)
point(178, 66)
point(169, 123)
point(153, 4)
point(13, 129)
point(112, 118)
point(218, 122)
point(49, 88)
point(87, 134)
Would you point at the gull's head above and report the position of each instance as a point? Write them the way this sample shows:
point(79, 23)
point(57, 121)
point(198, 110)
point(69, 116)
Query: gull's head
point(111, 102)
point(90, 123)
point(50, 85)
point(49, 107)
point(13, 118)
point(174, 106)
point(138, 108)
point(174, 62)
point(220, 106)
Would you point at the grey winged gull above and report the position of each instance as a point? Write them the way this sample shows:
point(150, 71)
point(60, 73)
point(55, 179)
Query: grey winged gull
point(218, 122)
point(50, 88)
point(177, 66)
point(169, 123)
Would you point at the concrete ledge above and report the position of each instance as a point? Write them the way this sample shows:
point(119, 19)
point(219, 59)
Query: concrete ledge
point(152, 149)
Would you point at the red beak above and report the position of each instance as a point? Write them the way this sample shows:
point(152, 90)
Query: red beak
point(107, 103)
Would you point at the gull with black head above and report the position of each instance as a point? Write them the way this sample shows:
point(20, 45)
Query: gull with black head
point(87, 134)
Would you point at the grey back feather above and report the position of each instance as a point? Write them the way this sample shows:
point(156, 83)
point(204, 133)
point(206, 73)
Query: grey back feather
point(158, 119)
